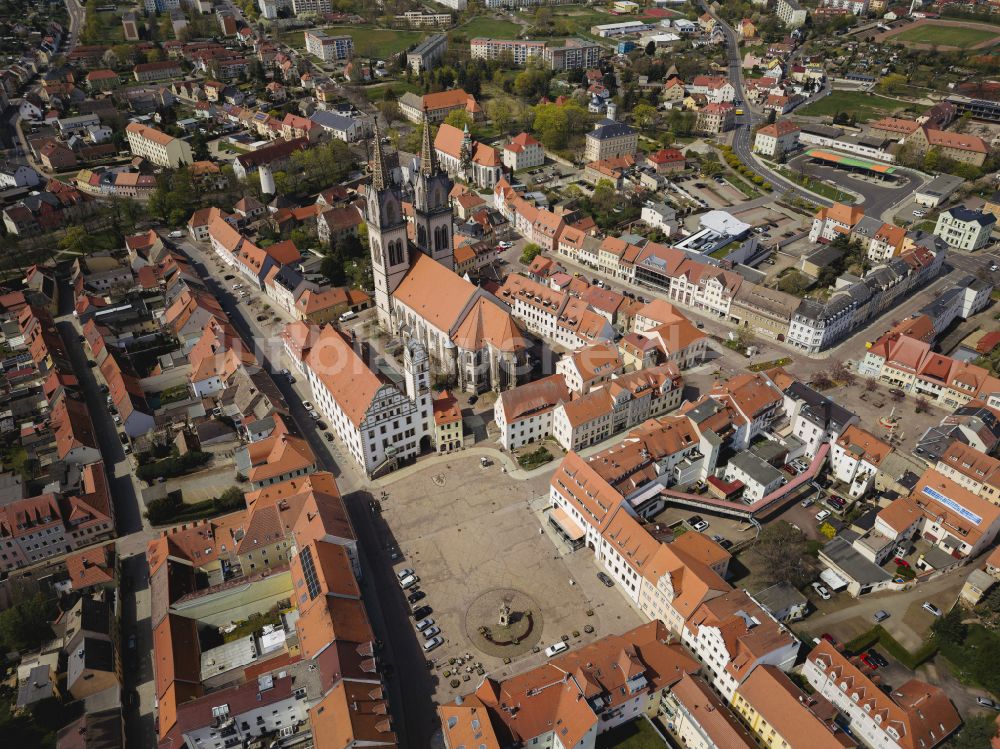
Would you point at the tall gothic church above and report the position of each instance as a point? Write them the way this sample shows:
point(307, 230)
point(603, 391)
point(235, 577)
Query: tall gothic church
point(392, 252)
point(469, 335)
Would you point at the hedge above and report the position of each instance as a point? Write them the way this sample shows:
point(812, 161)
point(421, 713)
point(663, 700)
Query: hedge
point(173, 466)
point(877, 634)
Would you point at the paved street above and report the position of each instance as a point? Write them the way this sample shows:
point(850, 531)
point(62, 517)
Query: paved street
point(412, 708)
point(745, 123)
point(133, 531)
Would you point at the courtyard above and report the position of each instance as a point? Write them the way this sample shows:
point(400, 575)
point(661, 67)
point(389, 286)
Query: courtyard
point(471, 536)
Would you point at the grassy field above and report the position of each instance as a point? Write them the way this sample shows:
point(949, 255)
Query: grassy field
point(489, 27)
point(946, 36)
point(637, 734)
point(368, 41)
point(862, 105)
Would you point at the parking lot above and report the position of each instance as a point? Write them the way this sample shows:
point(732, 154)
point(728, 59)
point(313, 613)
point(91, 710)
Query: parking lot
point(471, 537)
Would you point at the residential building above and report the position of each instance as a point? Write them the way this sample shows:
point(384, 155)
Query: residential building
point(329, 48)
point(615, 680)
point(523, 152)
point(558, 316)
point(777, 139)
point(156, 146)
point(943, 513)
point(967, 149)
point(150, 72)
point(914, 714)
point(758, 477)
point(590, 366)
point(780, 714)
point(838, 219)
point(612, 407)
point(572, 54)
point(519, 51)
point(47, 525)
point(814, 419)
point(910, 365)
point(434, 108)
point(887, 242)
point(791, 13)
point(426, 54)
point(449, 433)
point(965, 229)
point(855, 459)
point(716, 118)
point(735, 638)
point(971, 469)
point(701, 720)
point(610, 139)
point(524, 414)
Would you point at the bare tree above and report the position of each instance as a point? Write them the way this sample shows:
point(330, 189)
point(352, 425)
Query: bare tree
point(871, 385)
point(921, 405)
point(783, 552)
point(821, 380)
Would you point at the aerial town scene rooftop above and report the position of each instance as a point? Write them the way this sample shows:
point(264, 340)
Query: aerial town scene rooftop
point(499, 373)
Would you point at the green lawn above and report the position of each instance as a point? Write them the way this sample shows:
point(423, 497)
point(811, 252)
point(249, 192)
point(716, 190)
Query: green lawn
point(368, 41)
point(489, 27)
point(638, 734)
point(862, 105)
point(946, 36)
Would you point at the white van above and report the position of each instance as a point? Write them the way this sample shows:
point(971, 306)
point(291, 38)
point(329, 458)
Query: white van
point(559, 647)
point(349, 315)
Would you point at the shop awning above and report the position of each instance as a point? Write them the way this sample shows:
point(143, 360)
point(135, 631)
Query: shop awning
point(573, 531)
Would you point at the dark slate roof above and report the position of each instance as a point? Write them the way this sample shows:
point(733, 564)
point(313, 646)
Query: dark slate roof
point(967, 214)
point(605, 129)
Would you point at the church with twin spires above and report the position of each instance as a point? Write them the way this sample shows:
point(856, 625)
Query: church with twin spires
point(470, 336)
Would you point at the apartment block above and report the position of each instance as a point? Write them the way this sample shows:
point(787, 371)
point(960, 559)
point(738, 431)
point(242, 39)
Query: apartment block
point(329, 48)
point(156, 146)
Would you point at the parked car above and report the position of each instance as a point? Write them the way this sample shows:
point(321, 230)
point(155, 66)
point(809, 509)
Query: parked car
point(321, 425)
point(880, 616)
point(408, 582)
point(432, 643)
point(424, 624)
point(866, 659)
point(417, 595)
point(349, 315)
point(877, 657)
point(701, 525)
point(177, 234)
point(556, 649)
point(986, 702)
point(431, 633)
point(328, 436)
point(901, 562)
point(807, 502)
point(829, 638)
point(307, 405)
point(821, 591)
point(421, 612)
point(604, 578)
point(822, 515)
point(931, 608)
point(404, 573)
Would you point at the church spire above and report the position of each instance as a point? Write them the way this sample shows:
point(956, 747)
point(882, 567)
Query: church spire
point(428, 161)
point(380, 172)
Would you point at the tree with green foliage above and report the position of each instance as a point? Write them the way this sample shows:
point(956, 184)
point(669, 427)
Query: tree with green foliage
point(25, 625)
point(555, 124)
point(530, 252)
point(459, 118)
point(950, 628)
point(643, 115)
point(76, 240)
point(976, 733)
point(793, 283)
point(500, 113)
point(892, 83)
